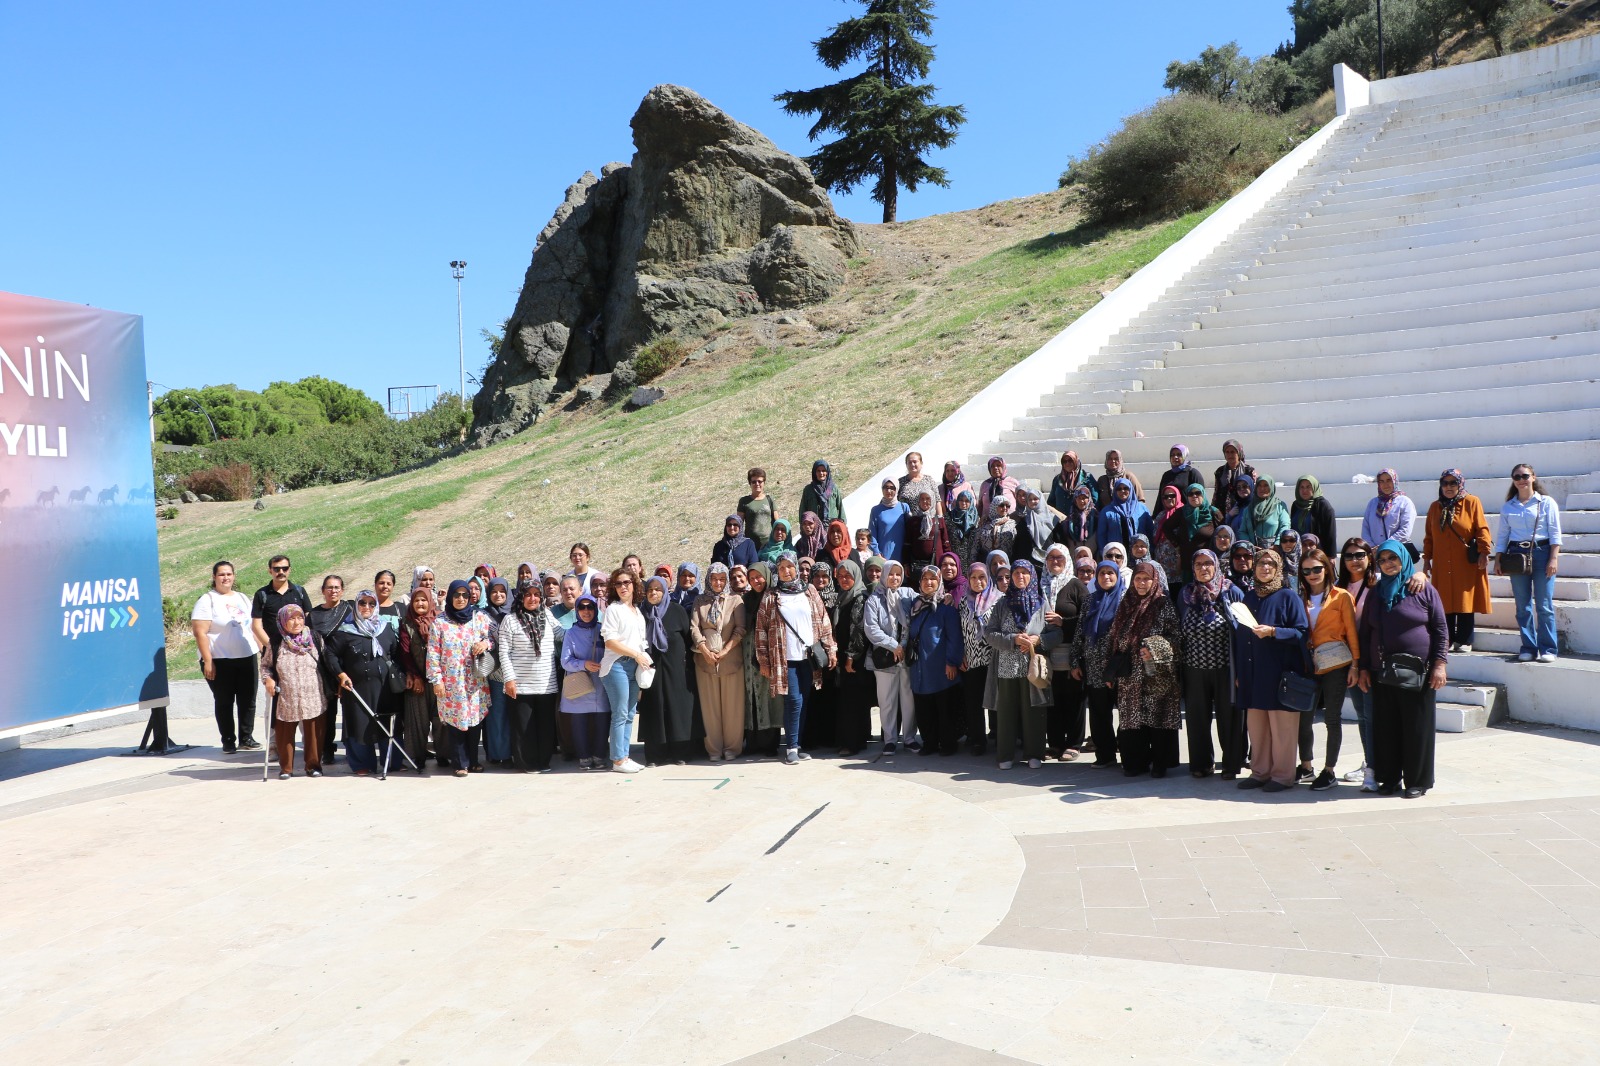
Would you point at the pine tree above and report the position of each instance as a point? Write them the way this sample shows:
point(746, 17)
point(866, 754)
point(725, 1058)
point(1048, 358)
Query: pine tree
point(886, 119)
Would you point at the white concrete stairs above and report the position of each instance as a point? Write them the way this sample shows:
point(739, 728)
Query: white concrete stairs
point(1424, 294)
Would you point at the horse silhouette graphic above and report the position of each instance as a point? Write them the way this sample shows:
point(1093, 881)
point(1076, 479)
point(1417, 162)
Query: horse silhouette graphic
point(141, 492)
point(109, 495)
point(48, 499)
point(79, 495)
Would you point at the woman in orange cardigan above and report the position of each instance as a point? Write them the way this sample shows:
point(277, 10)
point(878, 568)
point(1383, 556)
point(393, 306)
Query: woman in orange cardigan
point(1454, 530)
point(1332, 612)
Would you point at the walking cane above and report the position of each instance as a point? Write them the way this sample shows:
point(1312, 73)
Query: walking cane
point(272, 734)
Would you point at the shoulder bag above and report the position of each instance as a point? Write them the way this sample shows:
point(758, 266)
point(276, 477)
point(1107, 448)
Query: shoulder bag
point(577, 685)
point(1403, 671)
point(1330, 655)
point(1038, 671)
point(1297, 692)
point(815, 651)
point(1517, 559)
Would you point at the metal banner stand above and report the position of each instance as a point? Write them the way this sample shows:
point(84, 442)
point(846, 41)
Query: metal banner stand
point(156, 740)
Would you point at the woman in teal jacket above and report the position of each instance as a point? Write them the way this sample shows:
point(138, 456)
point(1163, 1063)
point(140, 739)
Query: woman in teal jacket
point(1263, 522)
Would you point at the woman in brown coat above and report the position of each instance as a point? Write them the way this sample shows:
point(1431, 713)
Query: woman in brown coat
point(716, 630)
point(1455, 528)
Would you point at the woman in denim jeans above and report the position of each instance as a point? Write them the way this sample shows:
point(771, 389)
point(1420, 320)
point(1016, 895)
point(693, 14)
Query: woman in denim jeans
point(789, 621)
point(623, 631)
point(1530, 524)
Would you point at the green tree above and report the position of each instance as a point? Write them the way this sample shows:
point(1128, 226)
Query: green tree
point(886, 117)
point(186, 416)
point(341, 404)
point(1215, 74)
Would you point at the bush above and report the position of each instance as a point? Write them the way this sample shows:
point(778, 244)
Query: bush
point(1182, 154)
point(658, 357)
point(236, 481)
point(174, 617)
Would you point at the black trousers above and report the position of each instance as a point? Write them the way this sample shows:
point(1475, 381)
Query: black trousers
point(1461, 627)
point(1064, 719)
point(463, 745)
point(940, 719)
point(1147, 748)
point(234, 685)
point(329, 722)
point(1403, 736)
point(857, 693)
point(1207, 699)
point(533, 729)
point(1102, 724)
point(973, 680)
point(1330, 701)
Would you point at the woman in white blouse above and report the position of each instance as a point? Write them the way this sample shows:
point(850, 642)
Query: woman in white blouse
point(622, 629)
point(1530, 527)
point(228, 648)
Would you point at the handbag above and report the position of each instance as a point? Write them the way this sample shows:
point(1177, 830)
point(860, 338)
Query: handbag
point(814, 651)
point(577, 685)
point(1297, 692)
point(1403, 671)
point(646, 676)
point(395, 683)
point(1038, 671)
point(1330, 655)
point(1517, 559)
point(1119, 664)
point(483, 665)
point(883, 658)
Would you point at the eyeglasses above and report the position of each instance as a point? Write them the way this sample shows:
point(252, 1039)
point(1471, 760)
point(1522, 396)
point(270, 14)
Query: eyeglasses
point(1305, 570)
point(1521, 477)
point(280, 569)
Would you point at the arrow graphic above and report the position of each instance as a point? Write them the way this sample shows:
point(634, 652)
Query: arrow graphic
point(133, 616)
point(116, 616)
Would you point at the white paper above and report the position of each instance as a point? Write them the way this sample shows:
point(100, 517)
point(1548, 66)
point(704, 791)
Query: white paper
point(1241, 614)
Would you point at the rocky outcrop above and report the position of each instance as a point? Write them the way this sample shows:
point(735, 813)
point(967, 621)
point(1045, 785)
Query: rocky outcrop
point(711, 221)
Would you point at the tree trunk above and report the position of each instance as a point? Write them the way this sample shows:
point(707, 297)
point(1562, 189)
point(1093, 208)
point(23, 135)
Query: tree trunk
point(891, 197)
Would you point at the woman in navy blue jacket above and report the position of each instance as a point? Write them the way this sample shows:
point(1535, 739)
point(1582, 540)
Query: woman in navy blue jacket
point(1261, 657)
point(935, 651)
point(734, 549)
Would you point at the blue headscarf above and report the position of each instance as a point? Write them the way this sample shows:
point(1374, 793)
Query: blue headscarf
point(686, 598)
point(1132, 508)
point(655, 612)
point(463, 615)
point(1392, 589)
point(1023, 602)
point(1103, 603)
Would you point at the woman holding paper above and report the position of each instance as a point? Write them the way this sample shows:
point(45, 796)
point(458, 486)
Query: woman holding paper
point(1269, 641)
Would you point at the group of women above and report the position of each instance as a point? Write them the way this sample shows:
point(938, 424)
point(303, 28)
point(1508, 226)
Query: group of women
point(1069, 623)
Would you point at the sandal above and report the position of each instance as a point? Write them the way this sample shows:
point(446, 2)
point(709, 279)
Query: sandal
point(461, 773)
point(1067, 755)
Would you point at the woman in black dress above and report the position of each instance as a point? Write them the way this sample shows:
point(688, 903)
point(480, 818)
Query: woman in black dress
point(361, 652)
point(666, 708)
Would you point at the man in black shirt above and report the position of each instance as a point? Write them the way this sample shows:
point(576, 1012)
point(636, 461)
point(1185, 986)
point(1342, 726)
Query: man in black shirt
point(280, 592)
point(323, 619)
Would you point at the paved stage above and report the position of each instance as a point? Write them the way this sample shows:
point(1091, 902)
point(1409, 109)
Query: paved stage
point(924, 911)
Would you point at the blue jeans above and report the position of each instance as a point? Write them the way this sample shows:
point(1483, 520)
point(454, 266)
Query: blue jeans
point(1535, 592)
point(621, 684)
point(794, 701)
point(497, 725)
point(1363, 705)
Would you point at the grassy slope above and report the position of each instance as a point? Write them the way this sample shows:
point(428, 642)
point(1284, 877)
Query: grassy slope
point(938, 309)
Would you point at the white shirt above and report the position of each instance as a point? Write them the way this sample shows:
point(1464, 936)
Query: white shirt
point(230, 634)
point(625, 625)
point(1316, 606)
point(795, 607)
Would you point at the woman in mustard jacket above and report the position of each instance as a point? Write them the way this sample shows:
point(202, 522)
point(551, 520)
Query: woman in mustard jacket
point(1332, 612)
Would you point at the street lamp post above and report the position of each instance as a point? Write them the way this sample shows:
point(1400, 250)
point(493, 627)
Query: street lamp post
point(1381, 72)
point(457, 269)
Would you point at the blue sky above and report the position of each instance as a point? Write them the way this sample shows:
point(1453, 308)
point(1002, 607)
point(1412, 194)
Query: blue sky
point(279, 190)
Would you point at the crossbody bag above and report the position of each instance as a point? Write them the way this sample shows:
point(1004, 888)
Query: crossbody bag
point(1517, 559)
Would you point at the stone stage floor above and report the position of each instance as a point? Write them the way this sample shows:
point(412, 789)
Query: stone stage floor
point(917, 911)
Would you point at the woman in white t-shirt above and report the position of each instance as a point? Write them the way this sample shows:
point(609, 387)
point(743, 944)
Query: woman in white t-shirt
point(623, 631)
point(221, 623)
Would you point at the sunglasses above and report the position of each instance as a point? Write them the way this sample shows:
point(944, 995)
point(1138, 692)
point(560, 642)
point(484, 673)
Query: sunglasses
point(1354, 555)
point(1521, 477)
point(280, 569)
point(1114, 555)
point(621, 583)
point(1450, 483)
point(1305, 570)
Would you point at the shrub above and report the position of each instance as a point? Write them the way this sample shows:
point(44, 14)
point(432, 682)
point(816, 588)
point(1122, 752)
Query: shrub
point(658, 357)
point(236, 481)
point(1182, 154)
point(168, 513)
point(173, 615)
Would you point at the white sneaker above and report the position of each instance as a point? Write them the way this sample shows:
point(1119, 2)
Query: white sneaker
point(1463, 648)
point(1369, 781)
point(626, 766)
point(715, 756)
point(1525, 657)
point(1006, 765)
point(1358, 774)
point(1547, 657)
point(729, 756)
point(1033, 764)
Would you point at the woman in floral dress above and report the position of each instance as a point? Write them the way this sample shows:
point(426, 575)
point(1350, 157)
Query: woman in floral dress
point(459, 633)
point(293, 682)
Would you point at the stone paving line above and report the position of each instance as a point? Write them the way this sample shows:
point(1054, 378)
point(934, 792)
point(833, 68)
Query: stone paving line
point(184, 911)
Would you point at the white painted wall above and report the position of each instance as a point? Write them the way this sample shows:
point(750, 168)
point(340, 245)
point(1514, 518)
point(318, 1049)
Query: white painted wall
point(1534, 63)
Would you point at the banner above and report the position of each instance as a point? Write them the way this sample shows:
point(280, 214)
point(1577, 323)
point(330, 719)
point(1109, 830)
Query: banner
point(81, 628)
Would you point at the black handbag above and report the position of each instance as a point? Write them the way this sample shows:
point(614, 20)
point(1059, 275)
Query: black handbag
point(1297, 692)
point(882, 658)
point(1120, 664)
point(395, 683)
point(1517, 559)
point(814, 651)
point(1403, 671)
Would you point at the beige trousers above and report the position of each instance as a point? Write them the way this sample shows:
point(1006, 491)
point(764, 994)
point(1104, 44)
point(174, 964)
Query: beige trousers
point(1274, 741)
point(722, 710)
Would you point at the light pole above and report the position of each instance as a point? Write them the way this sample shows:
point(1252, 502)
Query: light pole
point(1381, 71)
point(457, 268)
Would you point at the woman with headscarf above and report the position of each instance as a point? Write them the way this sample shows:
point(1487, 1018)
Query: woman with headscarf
point(1390, 514)
point(789, 622)
point(1222, 540)
point(1125, 517)
point(1067, 594)
point(1232, 469)
point(952, 485)
point(497, 724)
point(764, 711)
point(1092, 650)
point(822, 497)
point(1056, 571)
point(422, 577)
point(812, 540)
point(1015, 631)
point(934, 653)
point(1312, 513)
point(734, 549)
point(1144, 638)
point(583, 699)
point(688, 587)
point(1192, 528)
point(550, 591)
point(1117, 553)
point(1035, 524)
point(1261, 656)
point(884, 622)
point(666, 707)
point(1401, 619)
point(1241, 495)
point(1079, 525)
point(822, 711)
point(853, 717)
point(997, 484)
point(975, 606)
point(717, 630)
point(739, 580)
point(526, 642)
point(1138, 551)
point(925, 533)
point(477, 588)
point(1165, 536)
point(421, 714)
point(1456, 546)
point(961, 526)
point(1065, 485)
point(1181, 472)
point(291, 672)
point(1206, 653)
point(459, 635)
point(1000, 530)
point(778, 543)
point(1242, 565)
point(1264, 521)
point(1105, 484)
point(916, 481)
point(838, 542)
point(952, 583)
point(361, 652)
point(1289, 547)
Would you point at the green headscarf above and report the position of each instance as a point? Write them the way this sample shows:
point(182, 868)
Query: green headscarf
point(881, 563)
point(774, 546)
point(1316, 490)
point(1262, 510)
point(1196, 517)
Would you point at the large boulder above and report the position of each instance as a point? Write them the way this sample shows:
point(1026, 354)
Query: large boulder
point(710, 222)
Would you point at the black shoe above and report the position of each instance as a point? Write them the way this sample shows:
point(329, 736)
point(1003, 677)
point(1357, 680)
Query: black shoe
point(1252, 782)
point(1275, 786)
point(928, 751)
point(915, 747)
point(1413, 793)
point(1200, 775)
point(1160, 771)
point(888, 751)
point(976, 749)
point(250, 744)
point(1130, 772)
point(1388, 790)
point(230, 749)
point(1325, 780)
point(1303, 773)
